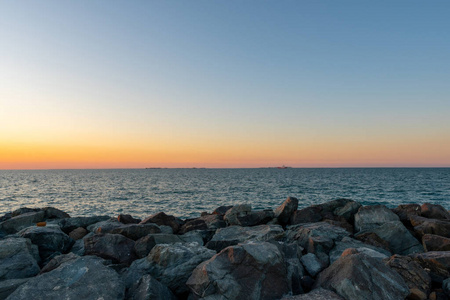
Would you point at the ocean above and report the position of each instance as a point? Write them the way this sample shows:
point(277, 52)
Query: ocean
point(188, 192)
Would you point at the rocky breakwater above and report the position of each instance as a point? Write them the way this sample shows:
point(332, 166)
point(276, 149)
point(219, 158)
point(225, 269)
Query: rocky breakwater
point(334, 250)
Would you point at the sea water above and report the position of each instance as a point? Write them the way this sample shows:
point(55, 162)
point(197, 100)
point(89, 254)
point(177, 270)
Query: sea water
point(188, 192)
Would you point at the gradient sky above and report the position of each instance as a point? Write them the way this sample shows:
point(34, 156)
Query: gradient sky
point(125, 84)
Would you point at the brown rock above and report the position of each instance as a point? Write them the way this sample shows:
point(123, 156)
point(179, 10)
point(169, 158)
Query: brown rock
point(432, 242)
point(127, 219)
point(416, 294)
point(222, 210)
point(284, 211)
point(437, 262)
point(424, 226)
point(162, 219)
point(78, 233)
point(116, 247)
point(194, 224)
point(434, 211)
point(309, 214)
point(373, 239)
point(406, 211)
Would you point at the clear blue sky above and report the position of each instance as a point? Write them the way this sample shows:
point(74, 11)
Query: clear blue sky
point(243, 76)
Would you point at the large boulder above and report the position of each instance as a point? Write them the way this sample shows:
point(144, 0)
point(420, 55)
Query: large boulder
point(312, 264)
point(18, 258)
point(10, 285)
point(50, 240)
point(424, 226)
point(162, 219)
point(348, 211)
point(434, 211)
point(347, 242)
point(359, 276)
point(58, 260)
point(149, 288)
point(116, 247)
point(173, 264)
point(406, 211)
point(214, 221)
point(369, 217)
point(144, 245)
point(255, 218)
point(246, 271)
point(84, 278)
point(104, 226)
point(127, 219)
point(317, 294)
point(241, 210)
point(22, 221)
point(284, 211)
point(233, 235)
point(134, 231)
point(310, 214)
point(54, 213)
point(69, 224)
point(416, 278)
point(437, 262)
point(78, 233)
point(432, 242)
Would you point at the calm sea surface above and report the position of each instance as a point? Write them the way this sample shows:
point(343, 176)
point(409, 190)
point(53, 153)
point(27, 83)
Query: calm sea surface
point(188, 192)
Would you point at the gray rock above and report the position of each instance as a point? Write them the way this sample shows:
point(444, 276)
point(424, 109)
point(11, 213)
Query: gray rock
point(166, 229)
point(432, 242)
point(144, 245)
point(348, 211)
point(54, 213)
point(369, 217)
point(134, 231)
point(10, 285)
point(434, 211)
point(194, 224)
point(162, 219)
point(104, 226)
point(446, 286)
point(233, 235)
point(302, 233)
point(424, 226)
point(78, 233)
point(309, 214)
point(255, 218)
point(173, 264)
point(222, 210)
point(241, 210)
point(295, 270)
point(85, 278)
point(49, 240)
point(18, 258)
point(22, 221)
point(437, 264)
point(116, 247)
point(132, 275)
point(358, 276)
point(246, 271)
point(406, 211)
point(317, 294)
point(348, 242)
point(311, 264)
point(57, 261)
point(78, 246)
point(149, 288)
point(214, 221)
point(192, 236)
point(69, 224)
point(284, 211)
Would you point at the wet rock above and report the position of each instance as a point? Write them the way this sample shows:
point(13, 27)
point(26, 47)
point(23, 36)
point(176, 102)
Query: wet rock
point(241, 210)
point(134, 231)
point(222, 210)
point(406, 211)
point(83, 278)
point(173, 264)
point(162, 219)
point(78, 233)
point(116, 247)
point(317, 294)
point(245, 271)
point(359, 276)
point(432, 242)
point(69, 224)
point(57, 261)
point(50, 240)
point(347, 242)
point(369, 217)
point(414, 275)
point(22, 221)
point(306, 215)
point(194, 224)
point(149, 288)
point(255, 218)
point(311, 264)
point(437, 262)
point(434, 211)
point(127, 219)
point(233, 235)
point(348, 211)
point(18, 258)
point(424, 226)
point(10, 285)
point(284, 211)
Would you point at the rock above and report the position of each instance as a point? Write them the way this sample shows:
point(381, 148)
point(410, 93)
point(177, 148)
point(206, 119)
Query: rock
point(432, 242)
point(85, 278)
point(5, 217)
point(348, 211)
point(78, 233)
point(144, 245)
point(373, 239)
point(434, 211)
point(302, 233)
point(307, 283)
point(69, 224)
point(162, 219)
point(424, 226)
point(104, 226)
point(255, 218)
point(437, 262)
point(446, 286)
point(134, 231)
point(166, 229)
point(284, 211)
point(173, 264)
point(24, 210)
point(49, 240)
point(21, 221)
point(400, 240)
point(57, 261)
point(333, 205)
point(127, 219)
point(369, 217)
point(78, 247)
point(320, 246)
point(416, 294)
point(406, 211)
point(360, 276)
point(214, 221)
point(245, 271)
point(54, 213)
point(295, 270)
point(412, 273)
point(341, 223)
point(116, 247)
point(317, 294)
point(18, 258)
point(222, 210)
point(306, 215)
point(149, 288)
point(347, 242)
point(233, 235)
point(194, 224)
point(241, 210)
point(10, 285)
point(311, 264)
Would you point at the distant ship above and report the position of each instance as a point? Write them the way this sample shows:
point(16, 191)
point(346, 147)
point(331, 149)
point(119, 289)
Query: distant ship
point(283, 167)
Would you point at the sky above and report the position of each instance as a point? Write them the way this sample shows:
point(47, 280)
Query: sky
point(135, 84)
